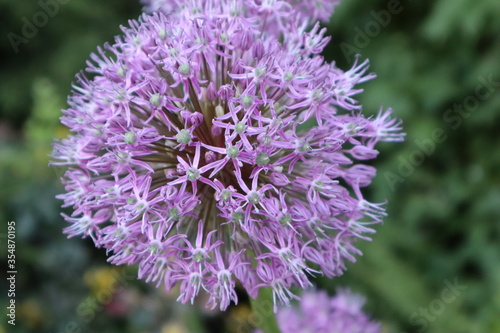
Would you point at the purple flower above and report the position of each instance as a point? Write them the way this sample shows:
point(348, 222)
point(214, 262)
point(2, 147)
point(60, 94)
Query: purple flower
point(320, 313)
point(275, 12)
point(193, 153)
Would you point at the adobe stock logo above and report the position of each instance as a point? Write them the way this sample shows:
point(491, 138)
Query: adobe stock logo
point(49, 9)
point(454, 117)
point(421, 318)
point(381, 19)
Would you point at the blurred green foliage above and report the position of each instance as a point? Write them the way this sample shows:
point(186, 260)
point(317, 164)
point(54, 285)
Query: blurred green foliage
point(443, 197)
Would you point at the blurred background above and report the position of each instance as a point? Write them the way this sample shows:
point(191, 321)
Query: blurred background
point(434, 265)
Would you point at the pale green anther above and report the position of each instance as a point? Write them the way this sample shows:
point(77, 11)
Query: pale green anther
point(237, 216)
point(262, 159)
point(260, 71)
point(122, 157)
point(233, 151)
point(286, 256)
point(317, 185)
point(127, 250)
point(97, 132)
point(120, 72)
point(225, 195)
point(162, 33)
point(173, 52)
point(240, 127)
point(119, 234)
point(317, 94)
point(254, 198)
point(130, 201)
point(173, 213)
point(130, 138)
point(305, 147)
point(139, 207)
point(224, 37)
point(153, 248)
point(155, 99)
point(193, 174)
point(352, 129)
point(199, 257)
point(285, 219)
point(247, 100)
point(184, 136)
point(288, 76)
point(266, 140)
point(121, 94)
point(184, 68)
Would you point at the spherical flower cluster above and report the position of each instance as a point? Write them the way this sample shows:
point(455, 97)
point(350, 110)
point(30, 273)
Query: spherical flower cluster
point(320, 313)
point(209, 152)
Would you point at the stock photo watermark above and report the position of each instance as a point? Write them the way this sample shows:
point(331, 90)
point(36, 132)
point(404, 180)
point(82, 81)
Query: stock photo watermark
point(31, 25)
point(452, 117)
point(11, 272)
point(424, 315)
point(257, 317)
point(363, 37)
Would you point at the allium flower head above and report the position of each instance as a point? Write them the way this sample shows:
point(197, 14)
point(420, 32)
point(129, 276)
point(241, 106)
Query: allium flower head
point(319, 313)
point(192, 154)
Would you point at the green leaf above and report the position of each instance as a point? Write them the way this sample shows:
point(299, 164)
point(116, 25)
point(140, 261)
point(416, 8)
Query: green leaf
point(262, 311)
